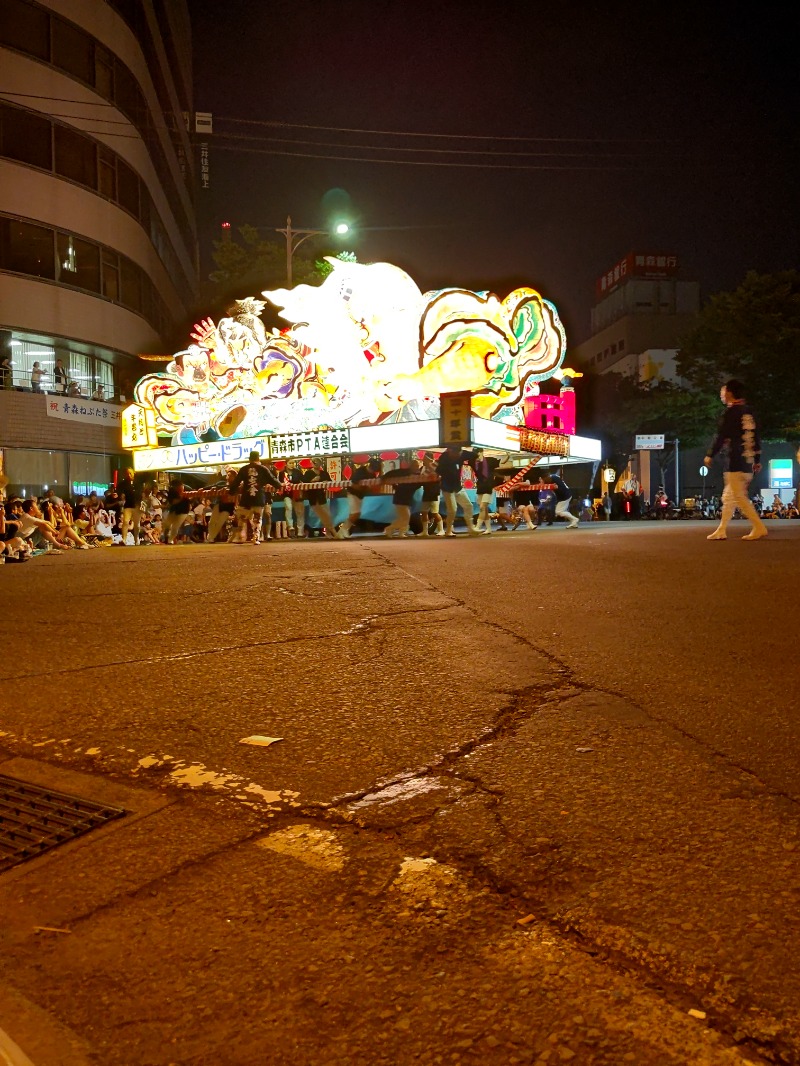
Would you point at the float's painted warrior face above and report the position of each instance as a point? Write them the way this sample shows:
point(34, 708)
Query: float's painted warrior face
point(363, 347)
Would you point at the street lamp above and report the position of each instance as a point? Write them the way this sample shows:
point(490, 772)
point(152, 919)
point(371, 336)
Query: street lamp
point(295, 237)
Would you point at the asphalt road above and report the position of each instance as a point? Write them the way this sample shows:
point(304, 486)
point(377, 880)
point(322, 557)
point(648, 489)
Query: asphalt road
point(535, 799)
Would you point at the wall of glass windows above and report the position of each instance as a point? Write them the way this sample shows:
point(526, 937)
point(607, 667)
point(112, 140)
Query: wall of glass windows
point(55, 255)
point(43, 35)
point(71, 474)
point(85, 372)
point(38, 141)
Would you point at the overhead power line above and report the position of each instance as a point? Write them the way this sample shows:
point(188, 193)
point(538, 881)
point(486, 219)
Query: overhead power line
point(439, 136)
point(422, 151)
point(590, 158)
point(489, 165)
point(277, 124)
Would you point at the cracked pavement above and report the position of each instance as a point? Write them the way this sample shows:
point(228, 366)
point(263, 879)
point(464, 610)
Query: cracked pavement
point(535, 800)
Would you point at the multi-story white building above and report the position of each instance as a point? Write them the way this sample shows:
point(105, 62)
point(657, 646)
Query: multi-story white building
point(98, 246)
point(642, 309)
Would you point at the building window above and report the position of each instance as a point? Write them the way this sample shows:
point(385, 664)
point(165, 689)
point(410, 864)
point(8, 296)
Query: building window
point(26, 28)
point(107, 184)
point(88, 473)
point(32, 139)
point(104, 72)
point(127, 188)
point(78, 262)
point(27, 249)
point(72, 50)
point(26, 137)
point(41, 252)
point(621, 345)
point(111, 275)
point(80, 371)
point(130, 276)
point(23, 355)
point(75, 157)
point(613, 349)
point(32, 472)
point(104, 375)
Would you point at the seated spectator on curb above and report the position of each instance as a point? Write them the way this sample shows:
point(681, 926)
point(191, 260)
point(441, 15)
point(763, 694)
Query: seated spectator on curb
point(33, 526)
point(56, 516)
point(103, 524)
point(12, 546)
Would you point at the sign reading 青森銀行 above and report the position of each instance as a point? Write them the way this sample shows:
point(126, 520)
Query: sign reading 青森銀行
point(649, 442)
point(96, 412)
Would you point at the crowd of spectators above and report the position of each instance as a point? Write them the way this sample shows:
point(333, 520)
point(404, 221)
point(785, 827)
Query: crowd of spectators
point(60, 382)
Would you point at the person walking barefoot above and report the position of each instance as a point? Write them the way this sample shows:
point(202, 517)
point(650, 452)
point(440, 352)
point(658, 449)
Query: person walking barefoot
point(738, 436)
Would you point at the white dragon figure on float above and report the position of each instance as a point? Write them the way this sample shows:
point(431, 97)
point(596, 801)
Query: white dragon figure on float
point(364, 347)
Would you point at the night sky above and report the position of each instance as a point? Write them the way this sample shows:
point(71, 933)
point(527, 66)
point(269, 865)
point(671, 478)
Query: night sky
point(603, 128)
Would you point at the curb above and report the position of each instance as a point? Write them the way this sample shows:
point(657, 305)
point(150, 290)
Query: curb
point(10, 1053)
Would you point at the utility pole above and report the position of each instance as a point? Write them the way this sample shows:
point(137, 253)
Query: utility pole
point(295, 237)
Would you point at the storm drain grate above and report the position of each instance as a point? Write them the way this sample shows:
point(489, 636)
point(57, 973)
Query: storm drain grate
point(33, 820)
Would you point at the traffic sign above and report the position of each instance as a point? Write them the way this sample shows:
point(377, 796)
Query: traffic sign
point(651, 442)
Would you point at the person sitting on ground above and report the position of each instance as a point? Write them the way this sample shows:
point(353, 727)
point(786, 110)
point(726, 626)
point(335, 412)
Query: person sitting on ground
point(102, 525)
point(35, 528)
point(13, 547)
point(56, 516)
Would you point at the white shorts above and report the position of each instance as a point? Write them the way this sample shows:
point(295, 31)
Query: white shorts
point(249, 512)
point(485, 497)
point(430, 506)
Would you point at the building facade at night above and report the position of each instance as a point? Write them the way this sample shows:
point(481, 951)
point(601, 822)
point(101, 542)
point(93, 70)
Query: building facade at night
point(642, 309)
point(98, 244)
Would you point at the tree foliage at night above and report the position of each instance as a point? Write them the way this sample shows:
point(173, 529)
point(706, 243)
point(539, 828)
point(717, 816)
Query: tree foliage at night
point(752, 334)
point(619, 407)
point(251, 262)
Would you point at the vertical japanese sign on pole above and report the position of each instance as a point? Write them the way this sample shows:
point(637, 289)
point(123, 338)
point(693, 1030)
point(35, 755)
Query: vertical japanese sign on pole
point(455, 418)
point(204, 126)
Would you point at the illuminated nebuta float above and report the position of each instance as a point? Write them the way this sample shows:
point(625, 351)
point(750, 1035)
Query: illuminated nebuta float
point(364, 348)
